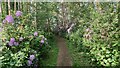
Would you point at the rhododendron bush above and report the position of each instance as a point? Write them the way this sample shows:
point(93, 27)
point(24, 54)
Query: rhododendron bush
point(104, 42)
point(22, 45)
point(99, 36)
point(29, 31)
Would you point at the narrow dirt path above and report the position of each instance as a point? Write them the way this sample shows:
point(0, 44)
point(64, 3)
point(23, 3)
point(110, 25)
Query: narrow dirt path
point(63, 55)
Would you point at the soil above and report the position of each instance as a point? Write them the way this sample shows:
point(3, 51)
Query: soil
point(64, 58)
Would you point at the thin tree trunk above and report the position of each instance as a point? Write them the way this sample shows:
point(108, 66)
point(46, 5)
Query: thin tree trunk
point(22, 3)
point(0, 24)
point(35, 15)
point(23, 8)
point(14, 5)
point(5, 9)
point(18, 5)
point(9, 7)
point(2, 4)
point(65, 14)
point(0, 8)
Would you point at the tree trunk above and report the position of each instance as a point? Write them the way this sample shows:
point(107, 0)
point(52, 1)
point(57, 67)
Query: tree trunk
point(8, 7)
point(0, 24)
point(0, 9)
point(5, 7)
point(14, 5)
point(18, 5)
point(35, 16)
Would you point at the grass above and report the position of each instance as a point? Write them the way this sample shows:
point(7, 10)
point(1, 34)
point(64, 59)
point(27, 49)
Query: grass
point(51, 60)
point(78, 58)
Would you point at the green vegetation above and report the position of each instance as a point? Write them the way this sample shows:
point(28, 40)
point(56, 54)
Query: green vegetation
point(78, 58)
point(51, 59)
point(28, 30)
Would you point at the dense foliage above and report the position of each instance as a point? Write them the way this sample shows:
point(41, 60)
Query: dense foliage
point(27, 32)
point(22, 45)
point(99, 36)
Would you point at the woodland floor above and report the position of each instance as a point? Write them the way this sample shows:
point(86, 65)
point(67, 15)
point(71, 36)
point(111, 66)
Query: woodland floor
point(64, 58)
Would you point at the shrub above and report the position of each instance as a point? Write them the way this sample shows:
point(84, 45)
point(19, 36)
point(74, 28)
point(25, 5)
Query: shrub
point(21, 44)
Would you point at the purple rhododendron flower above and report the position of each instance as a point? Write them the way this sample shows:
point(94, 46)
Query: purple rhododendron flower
point(18, 13)
point(9, 19)
point(10, 43)
point(12, 40)
point(29, 62)
point(42, 41)
point(21, 38)
point(35, 33)
point(32, 57)
point(16, 43)
point(4, 21)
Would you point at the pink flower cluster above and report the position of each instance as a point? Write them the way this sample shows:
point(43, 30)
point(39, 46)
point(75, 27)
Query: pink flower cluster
point(10, 19)
point(31, 58)
point(13, 42)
